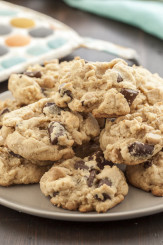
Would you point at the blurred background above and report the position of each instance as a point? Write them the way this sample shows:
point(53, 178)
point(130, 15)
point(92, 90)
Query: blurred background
point(148, 46)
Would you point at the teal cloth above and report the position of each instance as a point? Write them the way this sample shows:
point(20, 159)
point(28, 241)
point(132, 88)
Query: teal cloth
point(147, 15)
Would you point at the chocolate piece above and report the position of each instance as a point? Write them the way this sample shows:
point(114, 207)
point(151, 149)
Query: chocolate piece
point(80, 165)
point(6, 110)
point(68, 93)
point(55, 193)
point(36, 74)
point(129, 94)
point(51, 108)
point(139, 149)
point(101, 165)
point(15, 155)
point(105, 181)
point(105, 197)
point(64, 91)
point(147, 164)
point(91, 177)
point(119, 78)
point(55, 130)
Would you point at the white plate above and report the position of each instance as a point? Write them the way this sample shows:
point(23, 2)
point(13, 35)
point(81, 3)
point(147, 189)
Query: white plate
point(29, 199)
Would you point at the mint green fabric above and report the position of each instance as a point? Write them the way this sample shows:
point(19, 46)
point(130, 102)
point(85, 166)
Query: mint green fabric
point(147, 15)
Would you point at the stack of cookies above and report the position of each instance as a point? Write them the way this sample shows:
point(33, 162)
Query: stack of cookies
point(72, 124)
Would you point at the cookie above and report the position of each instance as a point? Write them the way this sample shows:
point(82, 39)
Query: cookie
point(148, 176)
point(36, 83)
point(6, 106)
point(43, 131)
point(151, 85)
point(134, 138)
point(102, 88)
point(85, 184)
point(16, 170)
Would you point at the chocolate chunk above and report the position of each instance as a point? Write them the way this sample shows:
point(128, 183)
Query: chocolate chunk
point(55, 130)
point(99, 156)
point(15, 155)
point(119, 78)
point(55, 193)
point(129, 94)
point(64, 91)
point(147, 164)
point(82, 102)
point(36, 74)
point(6, 110)
point(140, 150)
point(90, 158)
point(105, 197)
point(80, 165)
point(91, 177)
point(43, 91)
point(51, 108)
point(68, 93)
point(105, 181)
point(101, 165)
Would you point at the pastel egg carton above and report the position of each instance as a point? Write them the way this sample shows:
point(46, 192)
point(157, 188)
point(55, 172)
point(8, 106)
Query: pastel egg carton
point(28, 37)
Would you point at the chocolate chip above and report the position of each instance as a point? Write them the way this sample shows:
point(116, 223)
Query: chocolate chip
point(68, 93)
point(105, 197)
point(105, 181)
point(101, 165)
point(90, 158)
point(55, 130)
point(36, 74)
point(15, 155)
point(64, 91)
point(55, 193)
point(51, 108)
point(43, 91)
point(129, 94)
point(82, 102)
point(147, 164)
point(6, 110)
point(119, 78)
point(91, 177)
point(80, 165)
point(139, 149)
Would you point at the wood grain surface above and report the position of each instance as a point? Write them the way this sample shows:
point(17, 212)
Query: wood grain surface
point(22, 229)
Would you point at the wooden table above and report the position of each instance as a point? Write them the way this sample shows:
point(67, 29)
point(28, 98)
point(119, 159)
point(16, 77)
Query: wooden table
point(18, 228)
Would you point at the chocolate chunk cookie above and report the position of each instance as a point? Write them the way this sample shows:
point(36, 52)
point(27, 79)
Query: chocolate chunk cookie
point(43, 131)
point(148, 176)
point(103, 88)
point(14, 169)
point(36, 83)
point(85, 184)
point(134, 138)
point(6, 106)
